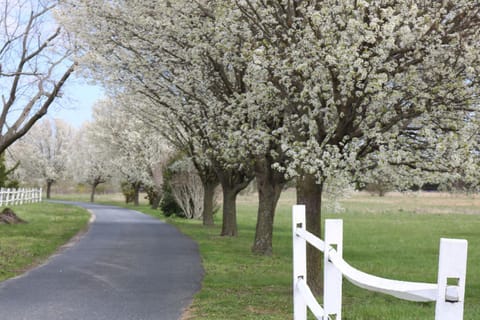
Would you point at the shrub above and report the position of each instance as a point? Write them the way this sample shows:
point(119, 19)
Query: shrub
point(128, 191)
point(168, 204)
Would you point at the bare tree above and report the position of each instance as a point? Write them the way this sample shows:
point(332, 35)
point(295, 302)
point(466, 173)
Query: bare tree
point(187, 188)
point(34, 65)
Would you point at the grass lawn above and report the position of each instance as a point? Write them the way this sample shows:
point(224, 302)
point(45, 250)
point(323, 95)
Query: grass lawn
point(395, 237)
point(49, 227)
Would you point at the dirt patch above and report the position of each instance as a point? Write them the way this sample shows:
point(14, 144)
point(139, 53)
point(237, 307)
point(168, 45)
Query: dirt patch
point(188, 314)
point(7, 216)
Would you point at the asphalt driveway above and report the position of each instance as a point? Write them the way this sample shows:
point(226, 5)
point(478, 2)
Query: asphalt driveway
point(128, 266)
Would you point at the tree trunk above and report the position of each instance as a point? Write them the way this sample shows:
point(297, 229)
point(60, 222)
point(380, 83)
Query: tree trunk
point(136, 196)
point(156, 200)
point(232, 183)
point(229, 224)
point(309, 193)
point(49, 187)
point(270, 185)
point(92, 194)
point(208, 199)
point(210, 181)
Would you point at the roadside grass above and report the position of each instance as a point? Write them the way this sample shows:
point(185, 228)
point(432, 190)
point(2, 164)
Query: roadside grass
point(111, 198)
point(395, 237)
point(49, 226)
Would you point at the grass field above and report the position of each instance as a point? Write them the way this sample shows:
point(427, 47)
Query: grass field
point(396, 236)
point(49, 226)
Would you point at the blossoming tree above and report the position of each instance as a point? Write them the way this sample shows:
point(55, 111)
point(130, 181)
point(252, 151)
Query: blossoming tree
point(135, 151)
point(360, 83)
point(89, 160)
point(43, 152)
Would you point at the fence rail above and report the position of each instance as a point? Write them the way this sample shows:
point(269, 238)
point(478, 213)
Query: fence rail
point(448, 292)
point(20, 196)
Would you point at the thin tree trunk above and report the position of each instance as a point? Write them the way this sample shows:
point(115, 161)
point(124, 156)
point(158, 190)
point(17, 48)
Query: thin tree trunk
point(210, 182)
point(232, 183)
point(309, 193)
point(229, 225)
point(92, 194)
point(270, 185)
point(49, 188)
point(156, 200)
point(208, 199)
point(136, 196)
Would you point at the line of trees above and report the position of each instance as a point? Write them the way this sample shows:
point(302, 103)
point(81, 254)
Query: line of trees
point(290, 90)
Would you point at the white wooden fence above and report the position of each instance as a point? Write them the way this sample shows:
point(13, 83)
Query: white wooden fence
point(448, 292)
point(20, 196)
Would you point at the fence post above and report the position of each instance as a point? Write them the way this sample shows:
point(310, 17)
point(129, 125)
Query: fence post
point(299, 262)
point(332, 277)
point(5, 196)
point(452, 268)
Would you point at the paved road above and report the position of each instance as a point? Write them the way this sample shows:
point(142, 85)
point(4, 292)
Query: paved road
point(128, 266)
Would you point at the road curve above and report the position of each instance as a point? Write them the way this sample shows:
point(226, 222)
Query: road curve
point(128, 266)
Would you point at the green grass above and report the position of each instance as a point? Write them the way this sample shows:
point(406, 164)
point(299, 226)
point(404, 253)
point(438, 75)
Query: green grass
point(110, 198)
point(49, 227)
point(395, 237)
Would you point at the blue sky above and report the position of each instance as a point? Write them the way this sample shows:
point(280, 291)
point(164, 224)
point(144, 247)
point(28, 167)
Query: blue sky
point(77, 101)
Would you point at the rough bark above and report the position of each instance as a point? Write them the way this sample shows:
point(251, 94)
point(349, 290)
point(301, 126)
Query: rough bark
point(309, 193)
point(208, 202)
point(270, 184)
point(229, 224)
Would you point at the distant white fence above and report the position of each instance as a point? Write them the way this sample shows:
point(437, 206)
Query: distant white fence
point(20, 196)
point(448, 292)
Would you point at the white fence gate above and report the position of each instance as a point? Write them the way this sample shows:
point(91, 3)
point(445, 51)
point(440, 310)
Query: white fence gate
point(20, 196)
point(448, 292)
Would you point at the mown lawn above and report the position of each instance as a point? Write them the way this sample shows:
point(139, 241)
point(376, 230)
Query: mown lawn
point(49, 227)
point(395, 236)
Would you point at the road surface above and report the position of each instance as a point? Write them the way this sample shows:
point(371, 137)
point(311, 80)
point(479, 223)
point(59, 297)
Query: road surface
point(128, 266)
